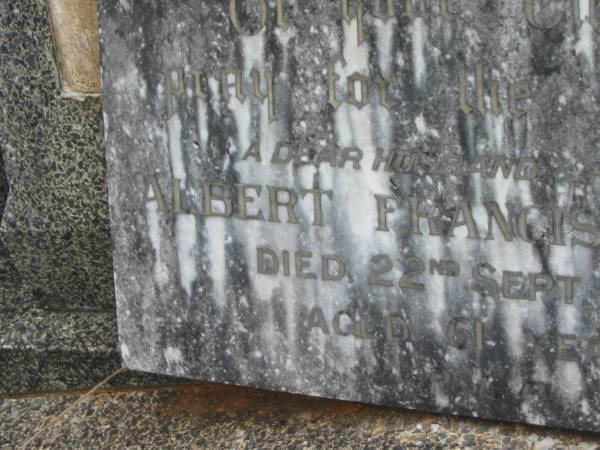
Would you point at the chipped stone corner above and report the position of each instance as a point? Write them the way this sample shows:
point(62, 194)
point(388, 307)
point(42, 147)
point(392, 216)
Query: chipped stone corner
point(75, 30)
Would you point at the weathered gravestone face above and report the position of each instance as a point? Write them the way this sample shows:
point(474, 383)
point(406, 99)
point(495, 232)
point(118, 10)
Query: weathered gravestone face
point(393, 203)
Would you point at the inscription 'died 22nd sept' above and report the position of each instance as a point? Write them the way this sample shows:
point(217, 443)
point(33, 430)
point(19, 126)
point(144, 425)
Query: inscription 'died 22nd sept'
point(395, 185)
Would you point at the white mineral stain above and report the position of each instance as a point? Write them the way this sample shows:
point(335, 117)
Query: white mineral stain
point(215, 242)
point(161, 272)
point(420, 124)
point(569, 261)
point(585, 46)
point(125, 4)
point(174, 358)
point(185, 228)
point(385, 41)
point(260, 234)
point(203, 130)
point(419, 40)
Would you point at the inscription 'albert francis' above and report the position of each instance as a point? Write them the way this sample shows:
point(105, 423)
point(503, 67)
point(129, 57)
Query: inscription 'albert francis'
point(240, 201)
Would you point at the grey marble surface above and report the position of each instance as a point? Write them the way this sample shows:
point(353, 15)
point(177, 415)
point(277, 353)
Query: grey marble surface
point(523, 148)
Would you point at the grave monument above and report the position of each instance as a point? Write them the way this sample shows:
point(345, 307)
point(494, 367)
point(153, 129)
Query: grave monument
point(391, 202)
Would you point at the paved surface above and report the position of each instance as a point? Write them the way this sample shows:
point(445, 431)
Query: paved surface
point(221, 417)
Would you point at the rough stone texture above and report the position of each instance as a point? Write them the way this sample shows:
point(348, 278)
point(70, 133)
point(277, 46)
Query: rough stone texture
point(53, 351)
point(55, 224)
point(222, 417)
point(10, 280)
point(75, 26)
point(45, 351)
point(57, 319)
point(191, 300)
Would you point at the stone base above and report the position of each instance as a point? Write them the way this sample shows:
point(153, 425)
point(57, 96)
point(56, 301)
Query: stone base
point(42, 351)
point(215, 416)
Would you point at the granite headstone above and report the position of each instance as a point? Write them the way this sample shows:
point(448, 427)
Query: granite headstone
point(384, 201)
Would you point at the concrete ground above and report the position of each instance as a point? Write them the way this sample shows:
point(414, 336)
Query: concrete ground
point(198, 416)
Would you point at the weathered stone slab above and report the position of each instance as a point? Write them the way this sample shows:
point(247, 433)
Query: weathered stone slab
point(394, 204)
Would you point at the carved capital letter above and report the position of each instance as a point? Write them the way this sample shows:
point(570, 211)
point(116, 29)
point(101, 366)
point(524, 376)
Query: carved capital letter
point(332, 78)
point(173, 90)
point(530, 14)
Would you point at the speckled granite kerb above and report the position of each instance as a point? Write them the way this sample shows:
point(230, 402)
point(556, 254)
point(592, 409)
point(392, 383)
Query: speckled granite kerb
point(55, 225)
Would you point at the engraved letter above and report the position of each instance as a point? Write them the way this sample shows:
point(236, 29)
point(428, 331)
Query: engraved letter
point(244, 199)
point(495, 214)
point(522, 224)
point(358, 15)
point(209, 196)
point(593, 350)
point(392, 323)
point(479, 92)
point(384, 99)
point(381, 158)
point(316, 319)
point(511, 280)
point(253, 152)
point(364, 90)
point(199, 81)
point(422, 12)
point(173, 91)
point(157, 196)
point(566, 348)
point(276, 203)
point(530, 14)
point(287, 150)
point(383, 209)
point(337, 326)
point(281, 23)
point(487, 285)
point(328, 272)
point(235, 19)
point(237, 84)
point(463, 208)
point(332, 77)
point(416, 215)
point(352, 154)
point(569, 287)
point(317, 204)
point(463, 333)
point(539, 282)
point(302, 261)
point(388, 14)
point(445, 9)
point(267, 261)
point(177, 209)
point(585, 228)
point(262, 96)
point(518, 91)
point(534, 389)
